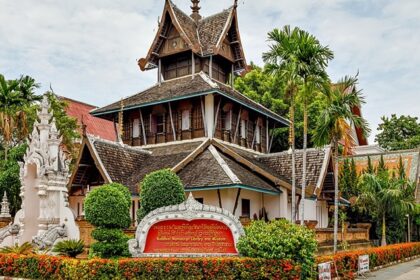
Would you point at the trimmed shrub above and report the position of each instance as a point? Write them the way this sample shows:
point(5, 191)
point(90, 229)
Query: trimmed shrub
point(70, 248)
point(158, 189)
point(50, 267)
point(111, 243)
point(108, 207)
point(280, 240)
point(347, 262)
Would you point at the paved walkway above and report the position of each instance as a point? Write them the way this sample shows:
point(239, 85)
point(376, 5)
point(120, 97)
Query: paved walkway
point(404, 271)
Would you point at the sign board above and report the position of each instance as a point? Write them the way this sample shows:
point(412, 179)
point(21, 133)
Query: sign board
point(187, 229)
point(363, 264)
point(324, 271)
point(196, 236)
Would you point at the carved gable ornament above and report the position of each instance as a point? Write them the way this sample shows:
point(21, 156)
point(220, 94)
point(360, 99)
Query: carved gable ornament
point(187, 229)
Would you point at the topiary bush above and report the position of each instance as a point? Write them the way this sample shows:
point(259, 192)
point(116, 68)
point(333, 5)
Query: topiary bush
point(108, 208)
point(158, 189)
point(280, 240)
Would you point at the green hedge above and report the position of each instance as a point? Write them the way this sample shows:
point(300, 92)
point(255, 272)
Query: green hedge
point(49, 267)
point(347, 261)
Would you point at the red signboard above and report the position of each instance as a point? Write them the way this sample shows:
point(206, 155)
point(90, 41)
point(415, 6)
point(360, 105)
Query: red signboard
point(195, 237)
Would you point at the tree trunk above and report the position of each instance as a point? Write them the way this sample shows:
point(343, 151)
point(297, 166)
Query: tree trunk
point(335, 155)
point(292, 143)
point(305, 144)
point(383, 239)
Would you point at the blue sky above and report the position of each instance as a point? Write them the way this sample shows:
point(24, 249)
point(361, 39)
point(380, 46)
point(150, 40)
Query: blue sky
point(87, 50)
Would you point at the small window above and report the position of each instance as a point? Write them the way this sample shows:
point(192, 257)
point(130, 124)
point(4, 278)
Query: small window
point(200, 199)
point(185, 120)
point(246, 208)
point(136, 128)
point(244, 128)
point(258, 134)
point(227, 120)
point(160, 124)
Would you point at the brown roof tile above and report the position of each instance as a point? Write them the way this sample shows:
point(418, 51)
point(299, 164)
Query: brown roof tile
point(183, 88)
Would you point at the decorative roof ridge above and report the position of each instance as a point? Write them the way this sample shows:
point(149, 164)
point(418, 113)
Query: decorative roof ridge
point(94, 138)
point(324, 149)
point(90, 143)
point(208, 80)
point(76, 101)
point(250, 165)
point(256, 154)
point(416, 150)
point(323, 172)
point(178, 142)
point(223, 164)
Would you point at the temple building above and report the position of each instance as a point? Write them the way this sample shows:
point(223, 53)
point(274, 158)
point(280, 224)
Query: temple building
point(194, 122)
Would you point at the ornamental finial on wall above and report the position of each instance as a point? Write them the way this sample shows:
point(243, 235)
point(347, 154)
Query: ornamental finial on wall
point(5, 210)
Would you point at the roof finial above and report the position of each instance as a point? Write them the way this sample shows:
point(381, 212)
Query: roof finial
point(195, 10)
point(235, 4)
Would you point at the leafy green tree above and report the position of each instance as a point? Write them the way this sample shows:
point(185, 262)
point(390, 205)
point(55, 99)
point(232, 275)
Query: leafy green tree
point(107, 208)
point(399, 133)
point(158, 189)
point(386, 196)
point(334, 125)
point(9, 177)
point(269, 90)
point(15, 98)
point(280, 62)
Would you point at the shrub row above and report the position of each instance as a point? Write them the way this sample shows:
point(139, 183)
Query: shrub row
point(347, 262)
point(49, 267)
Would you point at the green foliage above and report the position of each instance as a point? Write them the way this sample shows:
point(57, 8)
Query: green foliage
point(24, 249)
point(333, 124)
point(399, 133)
point(384, 197)
point(53, 267)
point(280, 240)
point(16, 96)
point(106, 206)
point(349, 179)
point(158, 189)
point(70, 248)
point(111, 243)
point(9, 177)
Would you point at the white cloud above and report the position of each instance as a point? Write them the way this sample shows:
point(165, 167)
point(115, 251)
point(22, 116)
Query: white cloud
point(88, 49)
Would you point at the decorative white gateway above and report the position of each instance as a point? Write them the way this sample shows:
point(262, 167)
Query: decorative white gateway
point(188, 211)
point(44, 217)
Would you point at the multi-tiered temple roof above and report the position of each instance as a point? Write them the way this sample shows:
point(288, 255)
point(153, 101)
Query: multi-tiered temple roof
point(194, 122)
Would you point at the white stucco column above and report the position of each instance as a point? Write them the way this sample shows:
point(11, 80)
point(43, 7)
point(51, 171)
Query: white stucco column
point(209, 112)
point(283, 204)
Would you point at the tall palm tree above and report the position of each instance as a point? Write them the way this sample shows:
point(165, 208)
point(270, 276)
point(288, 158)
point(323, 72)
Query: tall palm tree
point(387, 195)
point(15, 98)
point(313, 60)
point(281, 60)
point(334, 125)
